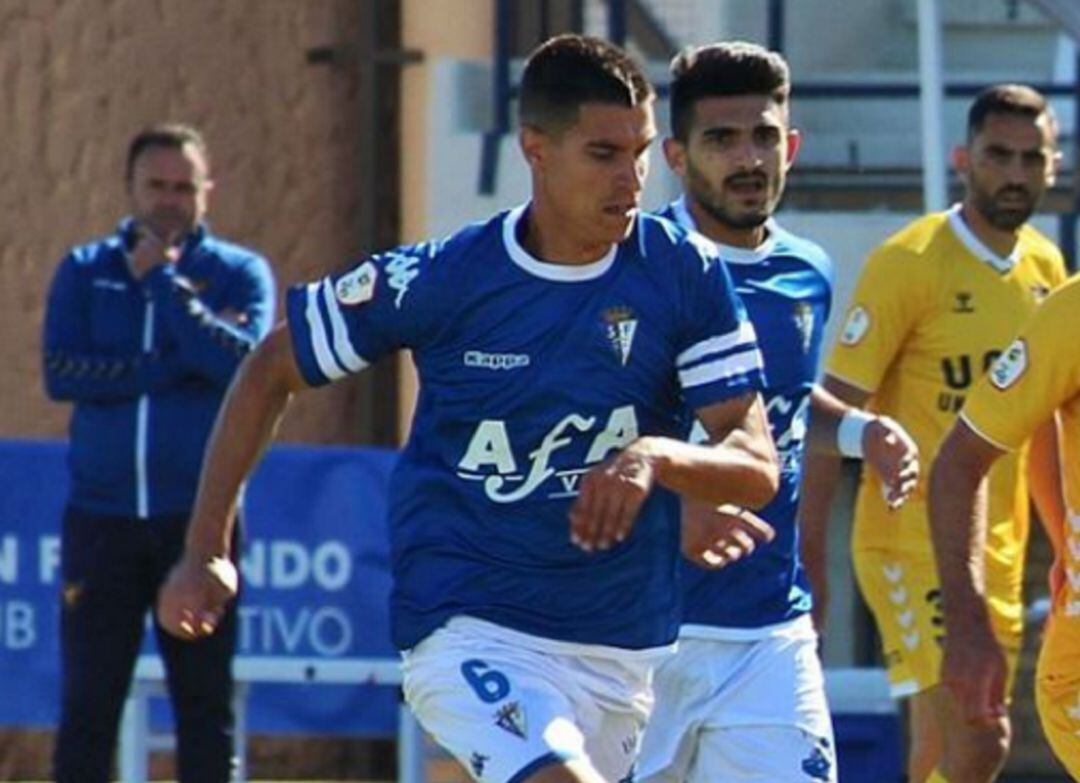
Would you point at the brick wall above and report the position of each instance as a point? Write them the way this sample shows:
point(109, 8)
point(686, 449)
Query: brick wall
point(79, 77)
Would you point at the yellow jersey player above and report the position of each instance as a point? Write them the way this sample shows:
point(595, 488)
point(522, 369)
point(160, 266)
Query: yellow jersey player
point(1037, 375)
point(934, 306)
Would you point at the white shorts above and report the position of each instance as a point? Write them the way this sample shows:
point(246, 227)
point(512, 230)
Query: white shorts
point(745, 711)
point(506, 704)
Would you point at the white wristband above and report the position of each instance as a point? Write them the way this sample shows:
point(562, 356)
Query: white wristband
point(850, 431)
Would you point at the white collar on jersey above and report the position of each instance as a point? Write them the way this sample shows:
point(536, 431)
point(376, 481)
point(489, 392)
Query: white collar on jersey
point(565, 273)
point(730, 253)
point(976, 246)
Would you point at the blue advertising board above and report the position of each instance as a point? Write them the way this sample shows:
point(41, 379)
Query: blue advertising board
point(315, 571)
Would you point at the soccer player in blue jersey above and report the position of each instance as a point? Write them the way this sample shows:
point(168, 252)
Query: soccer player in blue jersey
point(534, 512)
point(743, 698)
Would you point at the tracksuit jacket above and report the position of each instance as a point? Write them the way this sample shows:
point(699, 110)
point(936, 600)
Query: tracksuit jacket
point(147, 362)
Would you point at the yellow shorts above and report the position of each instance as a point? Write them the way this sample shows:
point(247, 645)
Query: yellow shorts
point(902, 591)
point(1057, 691)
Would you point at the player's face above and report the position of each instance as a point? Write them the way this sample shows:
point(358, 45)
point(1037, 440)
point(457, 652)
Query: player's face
point(591, 176)
point(1008, 166)
point(735, 159)
point(169, 189)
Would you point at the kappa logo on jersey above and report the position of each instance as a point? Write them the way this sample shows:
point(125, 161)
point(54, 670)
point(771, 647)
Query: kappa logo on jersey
point(496, 361)
point(1010, 366)
point(511, 718)
point(402, 271)
point(804, 322)
point(856, 326)
point(1040, 291)
point(489, 457)
point(358, 286)
point(620, 325)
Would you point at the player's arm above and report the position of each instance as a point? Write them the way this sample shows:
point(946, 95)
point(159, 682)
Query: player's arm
point(821, 476)
point(1044, 483)
point(839, 429)
point(738, 466)
point(74, 368)
point(212, 344)
point(200, 585)
point(974, 667)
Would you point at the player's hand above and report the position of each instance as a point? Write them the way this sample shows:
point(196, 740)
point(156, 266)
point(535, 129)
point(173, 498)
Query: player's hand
point(893, 455)
point(153, 248)
point(975, 672)
point(713, 537)
point(195, 595)
point(610, 498)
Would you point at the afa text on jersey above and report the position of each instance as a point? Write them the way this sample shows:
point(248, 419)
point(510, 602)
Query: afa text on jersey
point(489, 457)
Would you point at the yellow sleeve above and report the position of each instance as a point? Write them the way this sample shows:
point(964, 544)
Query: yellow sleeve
point(1037, 374)
point(888, 301)
point(1059, 271)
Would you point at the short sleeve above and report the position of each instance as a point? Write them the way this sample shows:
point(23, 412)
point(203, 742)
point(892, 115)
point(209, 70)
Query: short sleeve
point(1033, 377)
point(887, 302)
point(344, 322)
point(719, 358)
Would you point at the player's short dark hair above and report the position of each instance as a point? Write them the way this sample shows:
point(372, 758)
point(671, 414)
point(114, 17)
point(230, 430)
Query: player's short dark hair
point(570, 70)
point(721, 70)
point(1018, 99)
point(170, 135)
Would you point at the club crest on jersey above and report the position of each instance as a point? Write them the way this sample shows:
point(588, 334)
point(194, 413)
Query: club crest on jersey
point(619, 327)
point(856, 326)
point(1010, 366)
point(803, 316)
point(358, 286)
point(511, 718)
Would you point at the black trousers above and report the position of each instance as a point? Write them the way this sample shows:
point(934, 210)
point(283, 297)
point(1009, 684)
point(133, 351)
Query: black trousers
point(112, 570)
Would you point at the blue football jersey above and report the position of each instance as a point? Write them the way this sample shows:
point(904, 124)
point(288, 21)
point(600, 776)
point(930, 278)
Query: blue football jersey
point(786, 286)
point(530, 374)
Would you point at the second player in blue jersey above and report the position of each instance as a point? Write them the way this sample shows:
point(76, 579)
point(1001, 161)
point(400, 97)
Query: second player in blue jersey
point(743, 698)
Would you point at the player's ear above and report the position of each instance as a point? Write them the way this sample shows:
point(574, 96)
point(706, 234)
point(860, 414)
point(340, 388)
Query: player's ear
point(675, 155)
point(533, 144)
point(794, 144)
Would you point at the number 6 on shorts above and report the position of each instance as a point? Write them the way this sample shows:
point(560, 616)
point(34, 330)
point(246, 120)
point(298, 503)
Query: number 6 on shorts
point(488, 684)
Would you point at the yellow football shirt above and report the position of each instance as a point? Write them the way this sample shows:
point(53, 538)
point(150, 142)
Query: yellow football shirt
point(1038, 374)
point(932, 309)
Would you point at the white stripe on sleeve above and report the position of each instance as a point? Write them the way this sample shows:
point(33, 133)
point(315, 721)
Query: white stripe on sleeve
point(728, 367)
point(342, 345)
point(744, 334)
point(325, 358)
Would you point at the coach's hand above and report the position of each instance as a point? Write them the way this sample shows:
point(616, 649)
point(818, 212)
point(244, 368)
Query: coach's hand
point(715, 537)
point(194, 597)
point(893, 455)
point(610, 497)
point(975, 671)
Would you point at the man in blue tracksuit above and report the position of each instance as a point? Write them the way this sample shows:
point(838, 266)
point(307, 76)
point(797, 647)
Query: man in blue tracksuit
point(143, 332)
